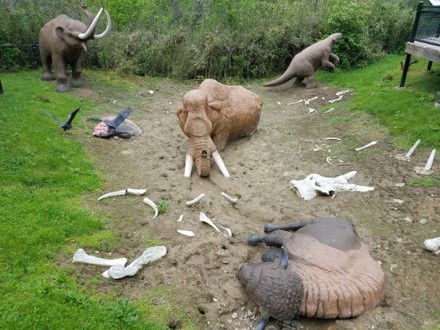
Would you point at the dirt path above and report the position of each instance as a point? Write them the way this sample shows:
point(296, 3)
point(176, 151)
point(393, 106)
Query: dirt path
point(200, 272)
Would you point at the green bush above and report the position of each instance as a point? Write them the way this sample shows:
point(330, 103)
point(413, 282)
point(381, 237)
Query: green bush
point(219, 38)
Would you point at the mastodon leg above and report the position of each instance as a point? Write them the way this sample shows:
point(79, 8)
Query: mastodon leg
point(219, 161)
point(188, 165)
point(291, 226)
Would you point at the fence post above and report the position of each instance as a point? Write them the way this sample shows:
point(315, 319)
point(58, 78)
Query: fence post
point(1, 87)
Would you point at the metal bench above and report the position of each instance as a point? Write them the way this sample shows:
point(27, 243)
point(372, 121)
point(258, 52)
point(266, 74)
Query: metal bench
point(425, 37)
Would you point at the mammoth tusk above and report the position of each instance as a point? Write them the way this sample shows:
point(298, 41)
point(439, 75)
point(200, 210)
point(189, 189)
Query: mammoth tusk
point(195, 200)
point(107, 29)
point(229, 198)
point(92, 26)
point(129, 191)
point(219, 161)
point(188, 166)
point(81, 256)
point(149, 202)
point(409, 153)
point(427, 169)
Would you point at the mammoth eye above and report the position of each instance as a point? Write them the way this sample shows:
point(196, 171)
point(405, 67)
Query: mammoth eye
point(204, 153)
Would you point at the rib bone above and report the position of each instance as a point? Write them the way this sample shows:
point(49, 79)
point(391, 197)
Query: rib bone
point(130, 191)
point(151, 254)
point(409, 153)
point(81, 256)
point(195, 200)
point(149, 202)
point(427, 169)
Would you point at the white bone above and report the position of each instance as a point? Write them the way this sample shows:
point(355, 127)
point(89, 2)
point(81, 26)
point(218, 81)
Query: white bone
point(218, 160)
point(229, 198)
point(342, 92)
point(188, 165)
point(81, 256)
point(150, 203)
point(306, 102)
point(366, 146)
point(188, 233)
point(427, 169)
point(136, 192)
point(299, 101)
point(329, 110)
point(151, 254)
point(195, 200)
point(113, 194)
point(329, 160)
point(205, 219)
point(432, 245)
point(180, 218)
point(332, 138)
point(311, 110)
point(107, 28)
point(315, 184)
point(409, 153)
point(335, 100)
point(130, 191)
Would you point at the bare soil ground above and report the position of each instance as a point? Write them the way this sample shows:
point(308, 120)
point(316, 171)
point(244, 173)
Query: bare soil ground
point(200, 272)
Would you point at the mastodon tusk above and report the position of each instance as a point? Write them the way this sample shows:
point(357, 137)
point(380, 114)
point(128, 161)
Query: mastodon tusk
point(107, 29)
point(195, 200)
point(219, 161)
point(92, 26)
point(81, 256)
point(149, 202)
point(188, 165)
point(229, 198)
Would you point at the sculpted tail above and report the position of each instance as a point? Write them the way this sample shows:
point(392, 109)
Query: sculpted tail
point(285, 77)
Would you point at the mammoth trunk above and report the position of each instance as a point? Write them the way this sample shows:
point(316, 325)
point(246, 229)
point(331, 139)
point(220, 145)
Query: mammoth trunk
point(202, 156)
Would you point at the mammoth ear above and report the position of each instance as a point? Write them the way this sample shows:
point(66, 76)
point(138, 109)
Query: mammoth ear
point(60, 32)
point(216, 105)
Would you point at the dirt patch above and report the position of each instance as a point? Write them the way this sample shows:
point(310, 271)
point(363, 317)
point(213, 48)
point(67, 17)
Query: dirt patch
point(200, 272)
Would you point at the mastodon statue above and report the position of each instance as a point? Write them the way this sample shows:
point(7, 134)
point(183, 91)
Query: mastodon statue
point(62, 41)
point(305, 64)
point(213, 115)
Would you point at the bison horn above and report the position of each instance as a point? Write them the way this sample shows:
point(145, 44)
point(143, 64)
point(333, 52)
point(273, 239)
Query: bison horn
point(107, 29)
point(86, 35)
point(219, 161)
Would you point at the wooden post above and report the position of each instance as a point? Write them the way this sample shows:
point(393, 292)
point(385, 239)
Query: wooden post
point(1, 87)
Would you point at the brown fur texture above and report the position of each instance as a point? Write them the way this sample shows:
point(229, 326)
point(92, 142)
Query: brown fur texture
point(60, 46)
point(215, 114)
point(305, 64)
point(333, 272)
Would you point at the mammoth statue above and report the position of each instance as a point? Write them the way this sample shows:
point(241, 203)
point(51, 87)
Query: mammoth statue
point(62, 41)
point(318, 268)
point(213, 115)
point(307, 62)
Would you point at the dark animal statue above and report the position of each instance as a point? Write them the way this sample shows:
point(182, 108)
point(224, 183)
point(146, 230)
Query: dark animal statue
point(62, 41)
point(321, 269)
point(305, 64)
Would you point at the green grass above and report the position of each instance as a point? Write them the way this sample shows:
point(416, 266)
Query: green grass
point(409, 114)
point(44, 172)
